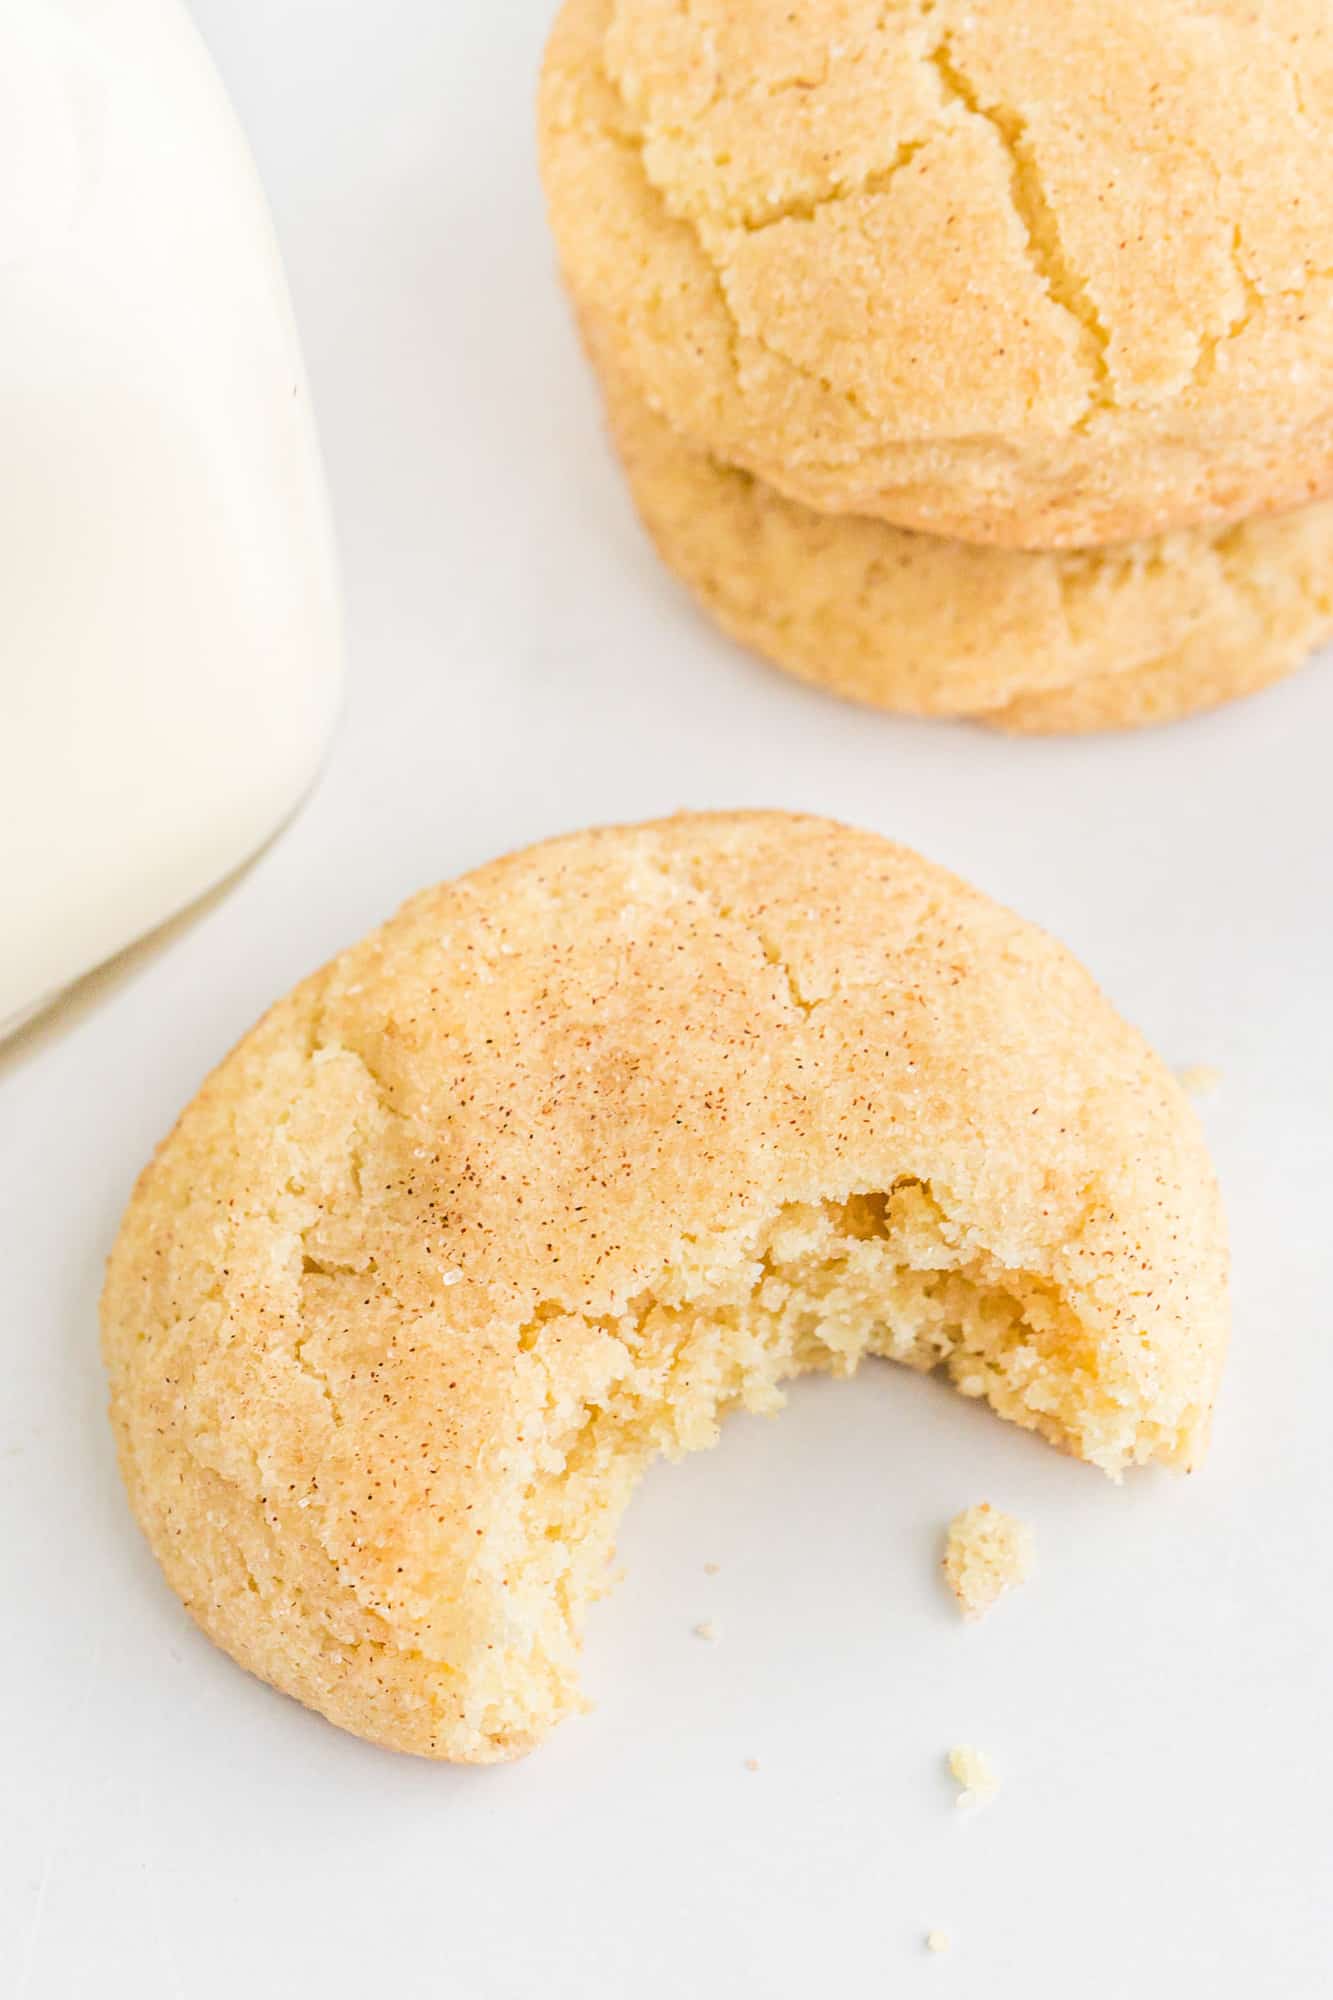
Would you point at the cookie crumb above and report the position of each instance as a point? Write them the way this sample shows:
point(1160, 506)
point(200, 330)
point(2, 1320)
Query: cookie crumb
point(937, 1941)
point(711, 1569)
point(706, 1629)
point(1199, 1079)
point(986, 1553)
point(752, 1763)
point(973, 1770)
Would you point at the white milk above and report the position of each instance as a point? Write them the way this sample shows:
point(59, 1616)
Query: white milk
point(169, 634)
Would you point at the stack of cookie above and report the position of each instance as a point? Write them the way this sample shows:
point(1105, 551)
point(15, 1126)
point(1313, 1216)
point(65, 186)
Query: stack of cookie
point(968, 357)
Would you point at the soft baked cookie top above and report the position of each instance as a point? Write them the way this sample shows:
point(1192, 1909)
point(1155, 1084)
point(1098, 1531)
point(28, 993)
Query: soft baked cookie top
point(842, 236)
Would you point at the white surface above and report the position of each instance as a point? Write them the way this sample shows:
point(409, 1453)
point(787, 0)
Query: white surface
point(1156, 1700)
point(169, 642)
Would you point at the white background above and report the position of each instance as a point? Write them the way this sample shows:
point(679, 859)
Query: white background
point(1157, 1699)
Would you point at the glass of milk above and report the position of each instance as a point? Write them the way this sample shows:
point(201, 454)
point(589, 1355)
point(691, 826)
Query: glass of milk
point(170, 649)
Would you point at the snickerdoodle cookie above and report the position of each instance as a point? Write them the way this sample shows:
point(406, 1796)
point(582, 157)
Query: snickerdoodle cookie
point(1196, 677)
point(570, 1158)
point(1034, 272)
point(1068, 640)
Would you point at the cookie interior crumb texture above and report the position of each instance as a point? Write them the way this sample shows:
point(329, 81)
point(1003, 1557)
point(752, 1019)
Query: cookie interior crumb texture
point(974, 1772)
point(693, 1107)
point(986, 1553)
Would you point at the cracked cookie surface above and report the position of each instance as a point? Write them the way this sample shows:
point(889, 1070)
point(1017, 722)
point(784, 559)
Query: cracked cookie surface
point(578, 1153)
point(1071, 640)
point(1036, 273)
